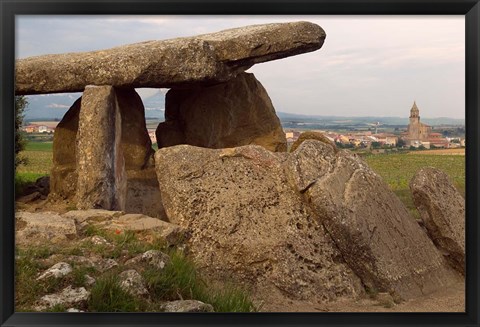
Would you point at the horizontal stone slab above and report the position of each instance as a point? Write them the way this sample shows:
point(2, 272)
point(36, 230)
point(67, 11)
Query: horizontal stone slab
point(208, 58)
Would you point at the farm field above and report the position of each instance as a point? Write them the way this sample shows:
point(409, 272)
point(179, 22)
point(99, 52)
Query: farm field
point(396, 169)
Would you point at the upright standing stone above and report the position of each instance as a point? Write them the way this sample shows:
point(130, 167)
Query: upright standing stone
point(234, 113)
point(100, 162)
point(442, 210)
point(63, 178)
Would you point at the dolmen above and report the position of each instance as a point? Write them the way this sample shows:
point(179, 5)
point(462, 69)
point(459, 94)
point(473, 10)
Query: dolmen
point(102, 153)
point(314, 223)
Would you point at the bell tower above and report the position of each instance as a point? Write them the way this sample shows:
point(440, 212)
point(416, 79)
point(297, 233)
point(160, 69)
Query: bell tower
point(414, 126)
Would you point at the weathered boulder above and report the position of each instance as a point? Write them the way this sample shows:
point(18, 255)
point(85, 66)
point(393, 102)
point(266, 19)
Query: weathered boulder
point(246, 222)
point(370, 226)
point(309, 222)
point(209, 58)
point(442, 210)
point(41, 227)
point(234, 113)
point(100, 162)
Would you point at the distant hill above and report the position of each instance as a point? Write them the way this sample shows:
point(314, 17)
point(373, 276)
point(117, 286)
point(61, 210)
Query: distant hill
point(341, 120)
point(54, 106)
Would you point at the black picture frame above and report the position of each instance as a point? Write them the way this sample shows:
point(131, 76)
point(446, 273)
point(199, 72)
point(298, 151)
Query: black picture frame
point(10, 8)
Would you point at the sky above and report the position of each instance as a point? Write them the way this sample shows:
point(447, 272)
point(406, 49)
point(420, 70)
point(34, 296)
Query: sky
point(368, 65)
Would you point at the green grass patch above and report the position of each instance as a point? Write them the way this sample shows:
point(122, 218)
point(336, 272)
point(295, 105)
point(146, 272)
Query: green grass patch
point(39, 146)
point(180, 280)
point(108, 296)
point(397, 170)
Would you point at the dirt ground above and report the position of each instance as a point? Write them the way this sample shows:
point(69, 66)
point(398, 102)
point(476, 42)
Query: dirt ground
point(446, 300)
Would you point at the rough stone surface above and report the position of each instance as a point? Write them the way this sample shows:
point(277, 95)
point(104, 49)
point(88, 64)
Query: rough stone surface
point(63, 177)
point(246, 223)
point(131, 281)
point(234, 113)
point(206, 58)
point(375, 233)
point(135, 142)
point(155, 258)
point(442, 210)
point(41, 227)
point(85, 216)
point(310, 135)
point(142, 185)
point(309, 222)
point(67, 297)
point(187, 306)
point(172, 233)
point(100, 162)
point(56, 271)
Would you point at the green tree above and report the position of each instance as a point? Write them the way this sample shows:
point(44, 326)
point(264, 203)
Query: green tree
point(20, 105)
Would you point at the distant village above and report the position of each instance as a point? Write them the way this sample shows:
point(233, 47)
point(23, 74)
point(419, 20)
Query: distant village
point(416, 136)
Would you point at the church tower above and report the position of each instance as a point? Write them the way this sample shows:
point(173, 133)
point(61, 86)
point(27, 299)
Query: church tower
point(417, 131)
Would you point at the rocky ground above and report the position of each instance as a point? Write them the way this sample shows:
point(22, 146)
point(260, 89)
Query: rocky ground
point(79, 247)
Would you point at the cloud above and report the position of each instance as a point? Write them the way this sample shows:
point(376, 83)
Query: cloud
point(367, 65)
point(58, 106)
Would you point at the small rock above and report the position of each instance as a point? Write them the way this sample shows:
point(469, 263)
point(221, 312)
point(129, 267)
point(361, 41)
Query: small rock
point(132, 282)
point(155, 258)
point(58, 270)
point(105, 264)
point(187, 306)
point(385, 299)
point(68, 296)
point(89, 280)
point(171, 233)
point(29, 197)
point(98, 240)
point(74, 310)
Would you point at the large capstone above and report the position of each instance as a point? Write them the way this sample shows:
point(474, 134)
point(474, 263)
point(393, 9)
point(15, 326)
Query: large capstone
point(442, 210)
point(100, 162)
point(209, 58)
point(234, 113)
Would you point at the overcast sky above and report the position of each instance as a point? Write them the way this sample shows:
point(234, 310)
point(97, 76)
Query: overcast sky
point(368, 65)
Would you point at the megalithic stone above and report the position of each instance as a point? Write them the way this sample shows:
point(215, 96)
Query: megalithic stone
point(102, 181)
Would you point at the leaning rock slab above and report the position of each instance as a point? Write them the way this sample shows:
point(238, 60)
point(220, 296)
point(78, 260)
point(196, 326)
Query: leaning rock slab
point(209, 58)
point(234, 113)
point(246, 223)
point(100, 163)
point(442, 210)
point(41, 227)
point(376, 235)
